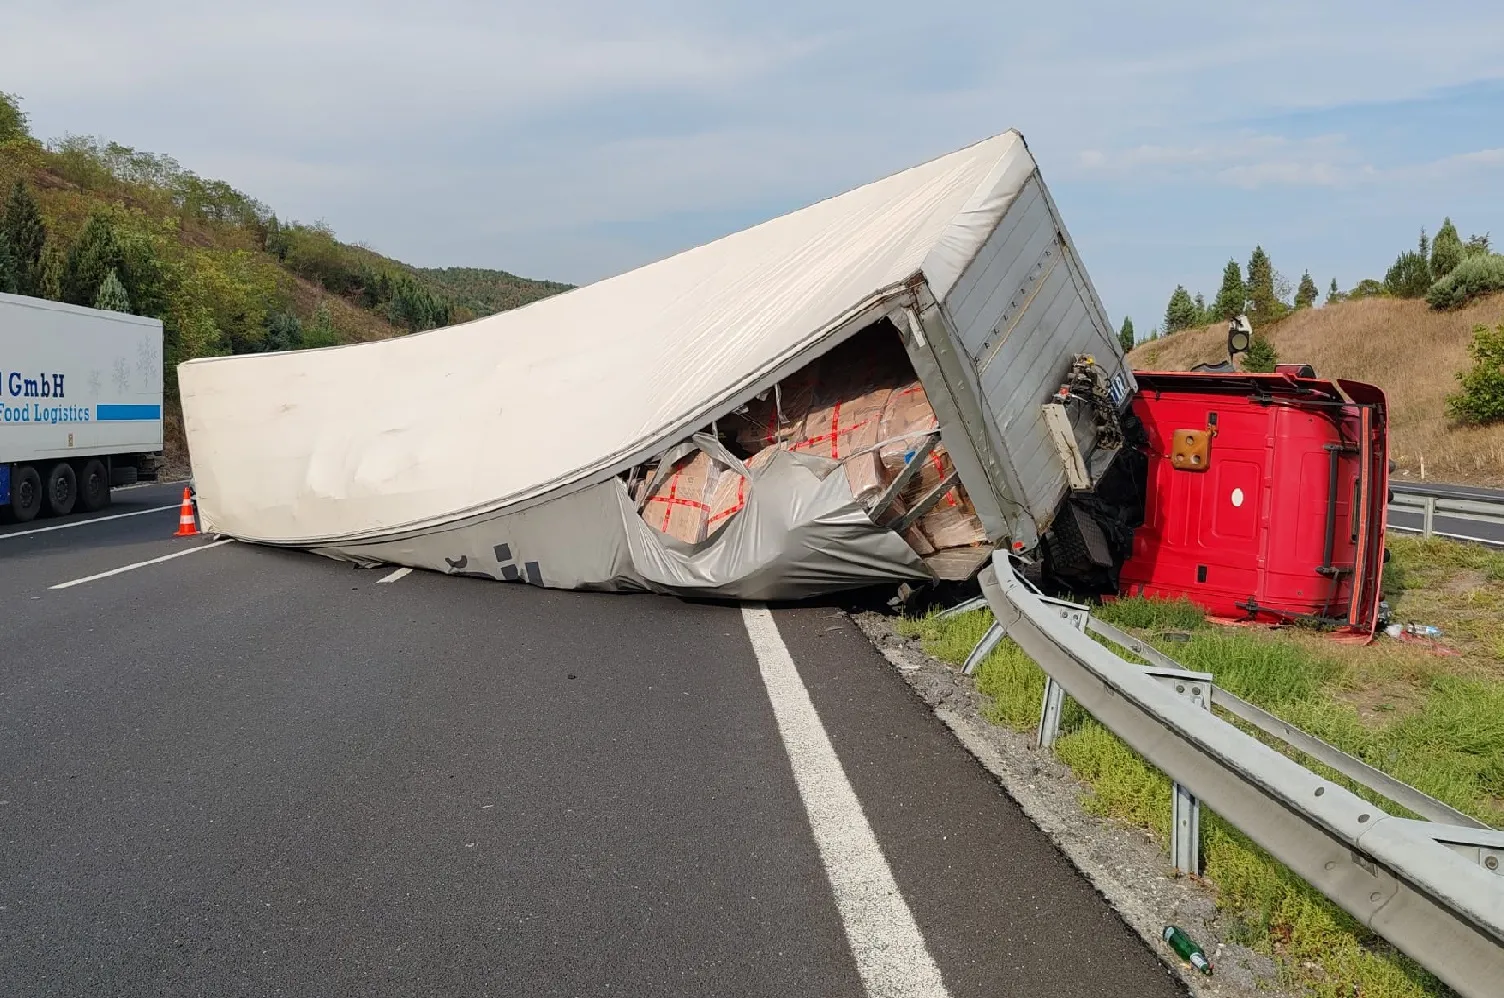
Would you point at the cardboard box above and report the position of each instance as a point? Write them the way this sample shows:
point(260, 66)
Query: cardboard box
point(679, 504)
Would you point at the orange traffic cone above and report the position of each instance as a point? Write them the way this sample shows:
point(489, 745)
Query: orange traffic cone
point(187, 526)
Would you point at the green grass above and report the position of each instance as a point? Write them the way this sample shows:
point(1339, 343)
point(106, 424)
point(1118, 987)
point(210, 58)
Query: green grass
point(1436, 723)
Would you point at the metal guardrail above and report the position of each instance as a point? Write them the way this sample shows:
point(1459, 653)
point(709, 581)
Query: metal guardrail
point(1435, 889)
point(1433, 501)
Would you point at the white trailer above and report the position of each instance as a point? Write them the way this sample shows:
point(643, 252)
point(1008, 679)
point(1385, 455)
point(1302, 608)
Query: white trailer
point(80, 405)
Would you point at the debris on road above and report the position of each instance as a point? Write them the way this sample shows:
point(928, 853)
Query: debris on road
point(1185, 947)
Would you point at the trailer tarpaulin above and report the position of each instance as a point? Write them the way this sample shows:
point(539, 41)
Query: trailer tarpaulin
point(495, 447)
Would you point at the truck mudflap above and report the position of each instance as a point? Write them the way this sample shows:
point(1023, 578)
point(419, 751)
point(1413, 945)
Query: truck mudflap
point(1266, 497)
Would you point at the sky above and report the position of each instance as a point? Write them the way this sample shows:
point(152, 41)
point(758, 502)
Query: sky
point(577, 139)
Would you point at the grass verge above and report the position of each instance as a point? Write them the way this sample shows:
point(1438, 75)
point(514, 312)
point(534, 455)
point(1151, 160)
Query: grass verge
point(1434, 720)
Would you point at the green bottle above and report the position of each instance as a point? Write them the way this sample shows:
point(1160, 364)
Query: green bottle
point(1187, 949)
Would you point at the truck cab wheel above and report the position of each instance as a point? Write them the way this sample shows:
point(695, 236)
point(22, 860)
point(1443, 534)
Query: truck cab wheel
point(93, 486)
point(25, 493)
point(62, 489)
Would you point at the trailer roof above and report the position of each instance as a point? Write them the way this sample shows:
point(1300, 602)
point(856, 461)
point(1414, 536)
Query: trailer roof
point(364, 439)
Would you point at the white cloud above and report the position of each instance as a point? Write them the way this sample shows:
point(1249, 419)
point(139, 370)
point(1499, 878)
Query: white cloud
point(529, 135)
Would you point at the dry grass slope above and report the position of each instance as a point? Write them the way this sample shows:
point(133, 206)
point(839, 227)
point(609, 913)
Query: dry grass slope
point(1411, 352)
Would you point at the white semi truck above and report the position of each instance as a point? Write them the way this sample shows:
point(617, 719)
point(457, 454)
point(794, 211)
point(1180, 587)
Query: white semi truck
point(80, 405)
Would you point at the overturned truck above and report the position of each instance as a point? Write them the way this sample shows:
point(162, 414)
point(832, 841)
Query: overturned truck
point(887, 385)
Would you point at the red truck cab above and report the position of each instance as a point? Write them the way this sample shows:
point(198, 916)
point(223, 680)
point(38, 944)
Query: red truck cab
point(1266, 496)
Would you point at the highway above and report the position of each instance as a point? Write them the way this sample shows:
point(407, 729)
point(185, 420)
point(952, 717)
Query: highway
point(1410, 520)
point(231, 770)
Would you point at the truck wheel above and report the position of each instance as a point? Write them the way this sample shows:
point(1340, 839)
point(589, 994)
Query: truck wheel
point(62, 489)
point(25, 493)
point(93, 486)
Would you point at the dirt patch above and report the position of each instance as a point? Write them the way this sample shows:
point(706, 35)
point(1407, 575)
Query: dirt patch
point(1125, 865)
point(1381, 705)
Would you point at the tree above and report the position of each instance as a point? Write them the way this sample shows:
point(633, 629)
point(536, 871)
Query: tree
point(1263, 302)
point(1260, 357)
point(1410, 275)
point(283, 332)
point(1446, 250)
point(1476, 246)
point(1204, 315)
point(112, 296)
point(321, 332)
point(1232, 298)
point(50, 273)
point(12, 118)
point(1306, 295)
point(277, 241)
point(27, 235)
point(1181, 312)
point(1125, 335)
point(1332, 294)
point(96, 253)
point(1481, 399)
point(1369, 288)
point(7, 267)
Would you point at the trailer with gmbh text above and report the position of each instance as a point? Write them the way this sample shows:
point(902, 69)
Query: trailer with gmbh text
point(80, 405)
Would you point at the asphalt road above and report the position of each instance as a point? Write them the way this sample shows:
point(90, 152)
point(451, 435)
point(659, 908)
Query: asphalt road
point(1477, 531)
point(241, 771)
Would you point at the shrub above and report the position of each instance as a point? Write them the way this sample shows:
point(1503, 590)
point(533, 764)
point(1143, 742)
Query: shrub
point(1482, 397)
point(1472, 278)
point(1260, 358)
point(1410, 276)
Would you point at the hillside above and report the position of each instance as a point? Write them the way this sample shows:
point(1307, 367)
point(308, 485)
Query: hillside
point(219, 268)
point(1410, 351)
point(486, 291)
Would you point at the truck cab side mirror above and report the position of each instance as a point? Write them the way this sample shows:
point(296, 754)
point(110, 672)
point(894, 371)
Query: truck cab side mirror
point(1239, 336)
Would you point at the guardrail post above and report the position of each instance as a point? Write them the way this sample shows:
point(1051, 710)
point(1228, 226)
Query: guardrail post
point(1185, 809)
point(1054, 694)
point(984, 647)
point(1428, 521)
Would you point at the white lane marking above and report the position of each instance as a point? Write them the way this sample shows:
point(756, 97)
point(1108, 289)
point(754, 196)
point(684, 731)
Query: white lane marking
point(891, 955)
point(1490, 541)
point(400, 573)
point(141, 564)
point(84, 523)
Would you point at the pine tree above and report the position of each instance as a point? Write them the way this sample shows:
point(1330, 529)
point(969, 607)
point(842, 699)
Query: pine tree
point(1446, 250)
point(1332, 294)
point(1125, 335)
point(1306, 294)
point(1410, 276)
point(7, 266)
point(283, 332)
point(1260, 357)
point(1263, 303)
point(27, 234)
point(1203, 314)
point(1475, 246)
point(50, 273)
point(1232, 298)
point(112, 296)
point(96, 253)
point(1181, 311)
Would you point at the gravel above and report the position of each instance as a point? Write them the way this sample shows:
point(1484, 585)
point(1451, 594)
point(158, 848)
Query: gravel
point(1125, 864)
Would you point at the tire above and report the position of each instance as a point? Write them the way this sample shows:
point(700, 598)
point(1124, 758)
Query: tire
point(25, 493)
point(62, 489)
point(93, 486)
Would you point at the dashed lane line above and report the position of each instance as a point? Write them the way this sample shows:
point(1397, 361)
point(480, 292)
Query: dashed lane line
point(141, 564)
point(85, 523)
